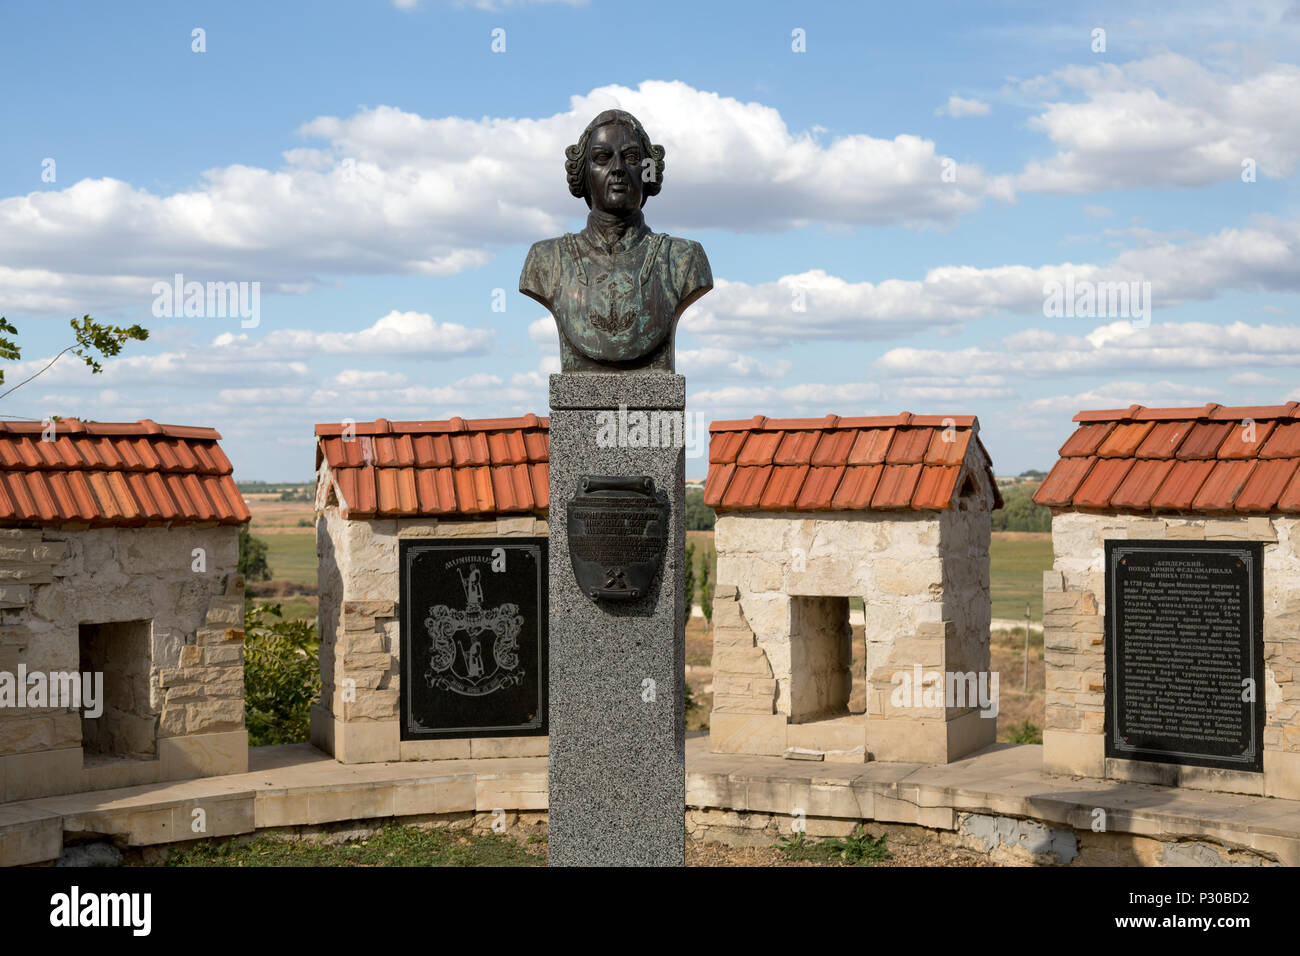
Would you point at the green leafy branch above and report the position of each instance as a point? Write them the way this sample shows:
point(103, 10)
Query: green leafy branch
point(93, 341)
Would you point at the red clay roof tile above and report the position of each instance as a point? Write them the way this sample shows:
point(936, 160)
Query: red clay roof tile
point(1135, 491)
point(833, 448)
point(936, 487)
point(1209, 460)
point(1103, 479)
point(1284, 442)
point(896, 486)
point(1178, 490)
point(833, 463)
point(856, 487)
point(474, 467)
point(745, 490)
point(1203, 440)
point(1220, 490)
point(1124, 439)
point(796, 448)
point(1289, 501)
point(716, 483)
point(538, 449)
point(871, 446)
point(1163, 439)
point(819, 488)
point(1083, 443)
point(1062, 481)
point(1264, 488)
point(725, 446)
point(111, 473)
point(782, 488)
point(909, 446)
point(758, 448)
point(467, 490)
point(1246, 439)
point(947, 446)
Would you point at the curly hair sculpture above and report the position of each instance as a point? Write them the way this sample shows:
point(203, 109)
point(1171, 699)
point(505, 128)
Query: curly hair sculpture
point(575, 156)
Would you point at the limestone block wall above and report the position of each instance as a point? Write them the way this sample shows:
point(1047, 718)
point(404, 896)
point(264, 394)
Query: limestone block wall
point(923, 578)
point(1074, 604)
point(358, 578)
point(158, 611)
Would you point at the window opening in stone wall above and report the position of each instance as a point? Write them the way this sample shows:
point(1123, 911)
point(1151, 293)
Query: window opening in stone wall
point(827, 668)
point(128, 726)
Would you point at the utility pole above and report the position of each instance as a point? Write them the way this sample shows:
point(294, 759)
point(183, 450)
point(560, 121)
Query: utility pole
point(1026, 645)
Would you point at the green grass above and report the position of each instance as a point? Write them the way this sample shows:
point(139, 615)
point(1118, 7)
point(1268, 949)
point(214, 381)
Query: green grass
point(1015, 571)
point(1016, 576)
point(295, 607)
point(391, 846)
point(292, 555)
point(1025, 733)
point(857, 849)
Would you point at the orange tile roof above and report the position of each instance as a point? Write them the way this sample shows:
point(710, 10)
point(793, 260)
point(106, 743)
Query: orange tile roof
point(475, 468)
point(115, 474)
point(897, 462)
point(1211, 460)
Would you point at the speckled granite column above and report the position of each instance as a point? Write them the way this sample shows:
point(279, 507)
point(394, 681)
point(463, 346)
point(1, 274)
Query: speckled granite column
point(617, 759)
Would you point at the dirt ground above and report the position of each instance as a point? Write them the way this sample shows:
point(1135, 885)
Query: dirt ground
point(699, 853)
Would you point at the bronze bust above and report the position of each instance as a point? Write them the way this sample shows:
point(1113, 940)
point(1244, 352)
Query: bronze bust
point(616, 289)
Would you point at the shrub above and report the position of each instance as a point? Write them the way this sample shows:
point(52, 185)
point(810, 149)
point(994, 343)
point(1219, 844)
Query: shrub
point(252, 556)
point(1026, 733)
point(281, 676)
point(699, 516)
point(857, 849)
point(706, 593)
point(1019, 512)
point(690, 580)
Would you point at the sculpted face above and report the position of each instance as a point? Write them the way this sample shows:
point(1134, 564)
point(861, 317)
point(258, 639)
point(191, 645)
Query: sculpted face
point(614, 158)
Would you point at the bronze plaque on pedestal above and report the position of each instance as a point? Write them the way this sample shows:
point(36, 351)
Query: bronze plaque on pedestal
point(618, 530)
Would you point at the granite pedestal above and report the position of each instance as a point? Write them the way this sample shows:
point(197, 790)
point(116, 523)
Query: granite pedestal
point(617, 716)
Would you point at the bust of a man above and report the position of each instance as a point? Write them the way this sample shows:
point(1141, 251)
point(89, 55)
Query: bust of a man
point(616, 289)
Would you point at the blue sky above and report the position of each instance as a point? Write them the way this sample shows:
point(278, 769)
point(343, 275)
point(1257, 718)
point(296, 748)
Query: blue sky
point(916, 178)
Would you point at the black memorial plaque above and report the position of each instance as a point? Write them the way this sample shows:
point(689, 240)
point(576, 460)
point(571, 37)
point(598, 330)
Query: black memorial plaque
point(473, 631)
point(1185, 653)
point(618, 531)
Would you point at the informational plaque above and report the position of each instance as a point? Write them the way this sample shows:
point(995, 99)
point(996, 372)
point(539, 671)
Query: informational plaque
point(473, 630)
point(618, 530)
point(1185, 652)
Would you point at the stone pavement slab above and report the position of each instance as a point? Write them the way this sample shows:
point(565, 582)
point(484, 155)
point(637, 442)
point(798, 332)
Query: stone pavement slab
point(297, 785)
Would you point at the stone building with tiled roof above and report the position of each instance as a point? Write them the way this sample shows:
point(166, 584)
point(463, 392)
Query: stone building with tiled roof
point(118, 562)
point(1176, 540)
point(384, 490)
point(895, 511)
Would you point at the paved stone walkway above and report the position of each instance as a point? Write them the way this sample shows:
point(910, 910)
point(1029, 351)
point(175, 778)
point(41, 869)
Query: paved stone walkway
point(298, 785)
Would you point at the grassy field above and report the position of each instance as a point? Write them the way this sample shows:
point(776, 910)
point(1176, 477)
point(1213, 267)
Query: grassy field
point(1017, 561)
point(290, 553)
point(292, 556)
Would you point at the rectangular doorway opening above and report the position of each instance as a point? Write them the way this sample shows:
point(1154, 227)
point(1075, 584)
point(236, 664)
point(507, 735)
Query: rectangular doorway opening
point(127, 729)
point(826, 675)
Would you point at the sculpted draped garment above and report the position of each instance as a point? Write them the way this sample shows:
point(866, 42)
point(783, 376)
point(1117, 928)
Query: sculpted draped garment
point(616, 305)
